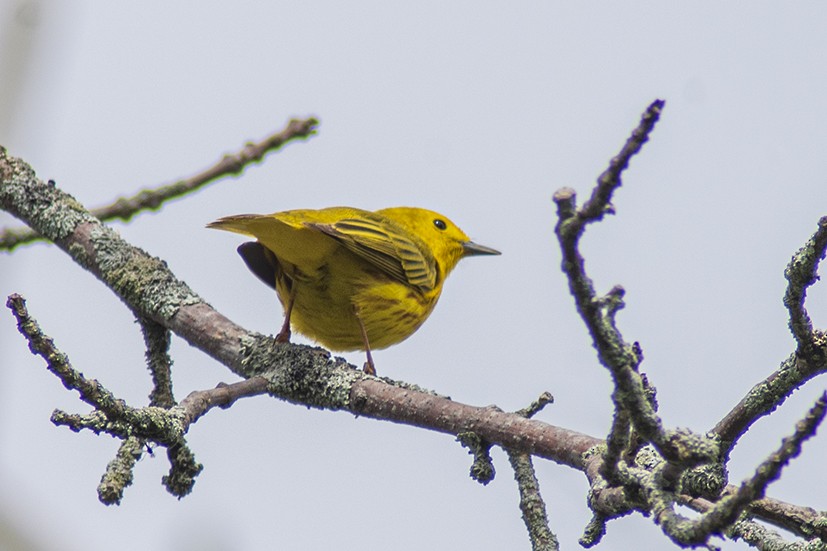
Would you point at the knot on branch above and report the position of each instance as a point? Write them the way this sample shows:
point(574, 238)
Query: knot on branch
point(707, 481)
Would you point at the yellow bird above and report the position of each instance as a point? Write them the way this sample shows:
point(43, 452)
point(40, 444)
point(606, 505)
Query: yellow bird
point(353, 279)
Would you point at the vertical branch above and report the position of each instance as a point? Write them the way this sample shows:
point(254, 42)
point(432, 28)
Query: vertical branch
point(801, 273)
point(157, 340)
point(598, 313)
point(532, 505)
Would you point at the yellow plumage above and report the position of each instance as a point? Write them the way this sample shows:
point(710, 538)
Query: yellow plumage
point(353, 279)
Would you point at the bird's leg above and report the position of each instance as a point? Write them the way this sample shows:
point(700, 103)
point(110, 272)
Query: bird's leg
point(369, 367)
point(284, 334)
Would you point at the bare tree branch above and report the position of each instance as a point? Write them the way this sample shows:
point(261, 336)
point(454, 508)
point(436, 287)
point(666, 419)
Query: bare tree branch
point(157, 341)
point(124, 208)
point(641, 467)
point(809, 359)
point(532, 504)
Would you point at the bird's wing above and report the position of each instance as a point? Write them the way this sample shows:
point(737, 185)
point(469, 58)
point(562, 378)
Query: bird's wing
point(384, 245)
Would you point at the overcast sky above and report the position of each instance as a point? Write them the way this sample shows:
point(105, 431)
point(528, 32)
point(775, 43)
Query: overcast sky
point(478, 110)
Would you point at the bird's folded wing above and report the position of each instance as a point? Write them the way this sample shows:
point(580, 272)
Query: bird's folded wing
point(385, 246)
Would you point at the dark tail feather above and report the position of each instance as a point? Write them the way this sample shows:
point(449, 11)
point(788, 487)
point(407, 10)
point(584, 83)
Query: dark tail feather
point(261, 261)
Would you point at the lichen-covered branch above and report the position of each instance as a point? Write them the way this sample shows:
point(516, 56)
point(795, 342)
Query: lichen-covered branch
point(809, 359)
point(532, 505)
point(125, 208)
point(598, 313)
point(157, 341)
point(119, 472)
point(482, 469)
point(642, 466)
point(135, 426)
point(295, 373)
point(804, 522)
point(726, 511)
point(801, 273)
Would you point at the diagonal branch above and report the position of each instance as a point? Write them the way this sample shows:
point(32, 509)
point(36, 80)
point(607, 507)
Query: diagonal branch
point(124, 208)
point(296, 373)
point(598, 313)
point(724, 513)
point(809, 359)
point(135, 426)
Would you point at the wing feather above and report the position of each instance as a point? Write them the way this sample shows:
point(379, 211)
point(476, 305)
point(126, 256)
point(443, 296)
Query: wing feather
point(386, 246)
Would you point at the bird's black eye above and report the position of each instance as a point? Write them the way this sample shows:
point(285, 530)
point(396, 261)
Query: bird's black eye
point(440, 224)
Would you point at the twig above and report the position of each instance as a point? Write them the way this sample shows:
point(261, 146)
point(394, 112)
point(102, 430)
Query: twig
point(124, 208)
point(801, 273)
point(532, 505)
point(536, 406)
point(600, 202)
point(598, 313)
point(727, 510)
point(135, 426)
point(199, 402)
point(724, 513)
point(765, 397)
point(119, 471)
point(157, 340)
point(809, 359)
point(804, 522)
point(91, 391)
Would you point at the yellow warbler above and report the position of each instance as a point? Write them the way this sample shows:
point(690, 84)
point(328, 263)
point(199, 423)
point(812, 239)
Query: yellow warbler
point(352, 279)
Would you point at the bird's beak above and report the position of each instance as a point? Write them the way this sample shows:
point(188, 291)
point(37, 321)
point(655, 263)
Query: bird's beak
point(472, 249)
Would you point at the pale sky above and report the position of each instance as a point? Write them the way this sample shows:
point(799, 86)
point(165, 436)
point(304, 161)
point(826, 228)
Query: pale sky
point(478, 110)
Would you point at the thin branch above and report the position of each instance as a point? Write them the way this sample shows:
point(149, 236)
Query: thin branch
point(809, 360)
point(731, 506)
point(598, 313)
point(761, 537)
point(617, 442)
point(724, 513)
point(801, 273)
point(136, 426)
point(119, 471)
point(90, 390)
point(199, 402)
point(600, 201)
point(767, 395)
point(634, 407)
point(756, 534)
point(804, 522)
point(532, 505)
point(157, 341)
point(125, 208)
point(536, 406)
